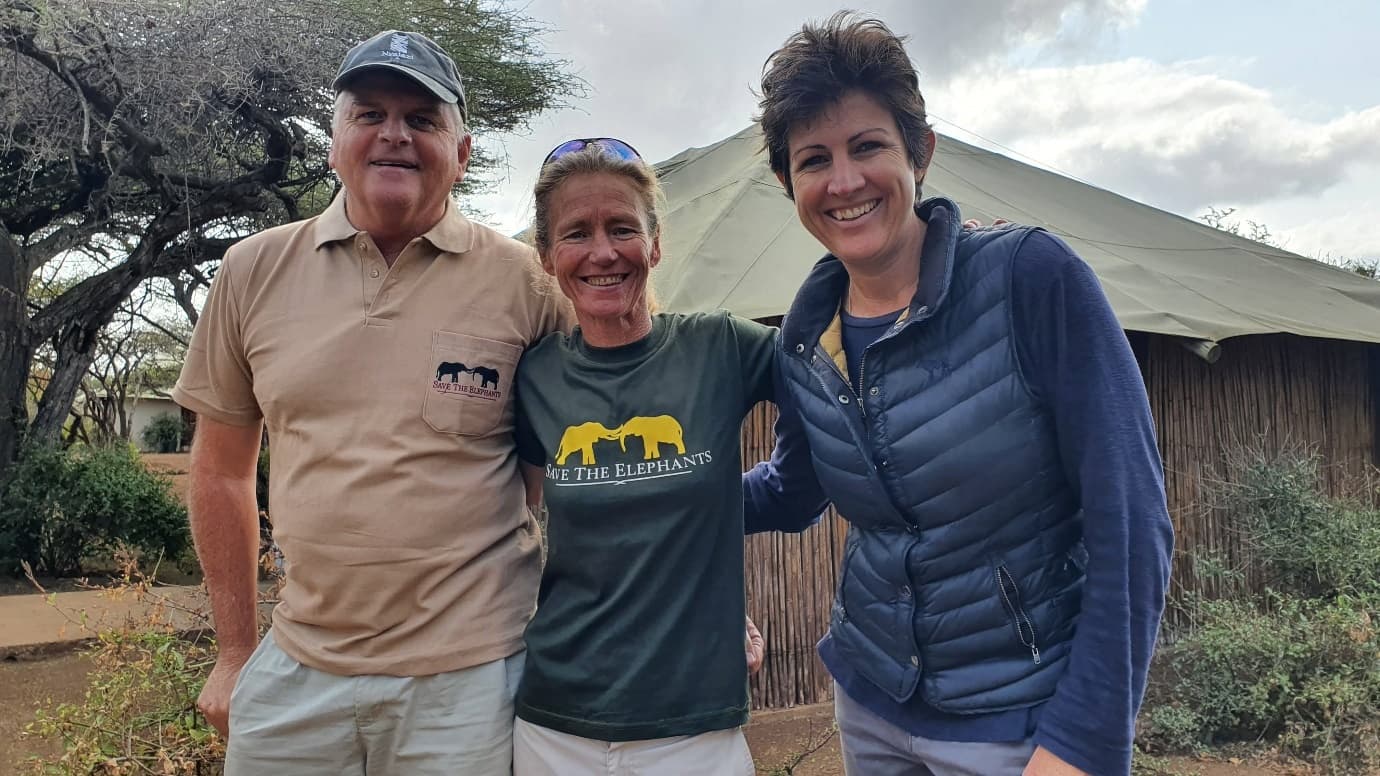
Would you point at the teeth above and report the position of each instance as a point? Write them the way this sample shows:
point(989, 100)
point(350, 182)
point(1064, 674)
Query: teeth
point(605, 280)
point(851, 213)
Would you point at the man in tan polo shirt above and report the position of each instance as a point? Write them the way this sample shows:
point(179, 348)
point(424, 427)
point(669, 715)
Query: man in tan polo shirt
point(377, 342)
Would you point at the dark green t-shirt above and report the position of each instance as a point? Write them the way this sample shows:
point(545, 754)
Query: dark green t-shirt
point(639, 626)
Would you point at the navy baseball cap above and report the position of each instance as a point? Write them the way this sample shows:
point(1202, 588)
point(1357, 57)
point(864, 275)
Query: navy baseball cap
point(411, 54)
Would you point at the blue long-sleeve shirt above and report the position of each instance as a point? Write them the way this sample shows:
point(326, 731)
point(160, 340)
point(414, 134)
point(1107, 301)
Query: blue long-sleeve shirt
point(1076, 360)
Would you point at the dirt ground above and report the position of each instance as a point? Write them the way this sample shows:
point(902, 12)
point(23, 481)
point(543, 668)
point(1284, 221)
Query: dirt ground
point(175, 466)
point(777, 738)
point(26, 686)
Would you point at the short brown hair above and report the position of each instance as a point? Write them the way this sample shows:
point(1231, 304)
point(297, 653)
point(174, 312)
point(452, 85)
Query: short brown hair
point(817, 66)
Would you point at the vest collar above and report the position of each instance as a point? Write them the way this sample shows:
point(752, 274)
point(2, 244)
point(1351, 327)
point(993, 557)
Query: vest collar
point(815, 310)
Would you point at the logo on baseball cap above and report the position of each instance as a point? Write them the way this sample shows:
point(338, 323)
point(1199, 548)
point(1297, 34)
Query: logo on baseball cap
point(411, 54)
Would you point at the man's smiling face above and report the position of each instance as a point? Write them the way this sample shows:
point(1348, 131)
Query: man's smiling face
point(398, 154)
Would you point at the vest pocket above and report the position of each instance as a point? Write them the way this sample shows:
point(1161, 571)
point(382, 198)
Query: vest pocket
point(1015, 611)
point(850, 549)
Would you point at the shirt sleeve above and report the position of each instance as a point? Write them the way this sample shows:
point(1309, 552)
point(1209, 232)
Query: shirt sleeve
point(217, 380)
point(756, 346)
point(783, 494)
point(529, 447)
point(1076, 359)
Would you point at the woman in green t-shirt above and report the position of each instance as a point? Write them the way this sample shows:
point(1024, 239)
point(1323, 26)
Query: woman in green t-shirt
point(635, 657)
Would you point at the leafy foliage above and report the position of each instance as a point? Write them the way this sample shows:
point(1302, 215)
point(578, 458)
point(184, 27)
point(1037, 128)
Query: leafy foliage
point(139, 714)
point(1310, 545)
point(165, 433)
point(1304, 673)
point(1300, 668)
point(61, 508)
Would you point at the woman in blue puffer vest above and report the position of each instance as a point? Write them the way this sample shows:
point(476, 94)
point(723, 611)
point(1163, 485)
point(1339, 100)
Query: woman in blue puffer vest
point(970, 404)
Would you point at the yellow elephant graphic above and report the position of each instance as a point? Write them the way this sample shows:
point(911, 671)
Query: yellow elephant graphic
point(582, 438)
point(655, 431)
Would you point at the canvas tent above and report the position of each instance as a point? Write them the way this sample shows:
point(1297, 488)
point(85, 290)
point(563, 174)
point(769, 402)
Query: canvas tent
point(1300, 367)
point(733, 241)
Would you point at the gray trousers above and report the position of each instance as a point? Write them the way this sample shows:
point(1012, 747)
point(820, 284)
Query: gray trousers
point(874, 747)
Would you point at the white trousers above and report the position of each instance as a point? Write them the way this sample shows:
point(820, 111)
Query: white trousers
point(539, 751)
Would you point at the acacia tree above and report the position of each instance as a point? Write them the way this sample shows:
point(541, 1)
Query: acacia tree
point(157, 132)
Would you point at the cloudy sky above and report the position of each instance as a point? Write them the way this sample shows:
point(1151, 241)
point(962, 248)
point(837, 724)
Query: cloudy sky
point(1272, 108)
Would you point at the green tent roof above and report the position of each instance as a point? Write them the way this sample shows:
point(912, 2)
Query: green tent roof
point(732, 241)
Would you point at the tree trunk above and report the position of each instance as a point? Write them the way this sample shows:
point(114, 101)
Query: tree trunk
point(16, 351)
point(15, 357)
point(75, 349)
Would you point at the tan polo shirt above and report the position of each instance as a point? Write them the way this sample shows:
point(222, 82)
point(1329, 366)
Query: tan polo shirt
point(388, 398)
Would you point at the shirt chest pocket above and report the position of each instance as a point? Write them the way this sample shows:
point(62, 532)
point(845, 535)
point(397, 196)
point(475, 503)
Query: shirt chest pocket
point(471, 384)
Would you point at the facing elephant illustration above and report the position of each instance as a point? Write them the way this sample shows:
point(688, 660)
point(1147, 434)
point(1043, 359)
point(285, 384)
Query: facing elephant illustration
point(655, 431)
point(486, 375)
point(582, 438)
point(451, 369)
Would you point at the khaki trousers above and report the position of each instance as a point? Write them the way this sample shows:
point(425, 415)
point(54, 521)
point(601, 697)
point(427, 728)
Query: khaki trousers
point(287, 718)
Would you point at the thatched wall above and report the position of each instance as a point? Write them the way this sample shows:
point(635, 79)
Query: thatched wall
point(1280, 391)
point(1270, 393)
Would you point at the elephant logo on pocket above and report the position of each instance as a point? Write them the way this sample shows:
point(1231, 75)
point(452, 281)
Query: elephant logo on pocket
point(488, 377)
point(451, 369)
point(655, 431)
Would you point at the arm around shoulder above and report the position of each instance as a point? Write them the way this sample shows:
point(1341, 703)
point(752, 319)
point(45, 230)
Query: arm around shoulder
point(783, 493)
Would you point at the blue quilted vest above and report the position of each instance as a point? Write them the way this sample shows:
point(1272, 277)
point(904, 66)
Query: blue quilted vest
point(963, 567)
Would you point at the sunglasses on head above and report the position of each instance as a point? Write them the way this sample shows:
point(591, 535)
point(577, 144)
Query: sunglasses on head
point(609, 145)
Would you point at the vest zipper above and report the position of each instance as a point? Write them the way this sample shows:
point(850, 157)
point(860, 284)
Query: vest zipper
point(862, 370)
point(1013, 604)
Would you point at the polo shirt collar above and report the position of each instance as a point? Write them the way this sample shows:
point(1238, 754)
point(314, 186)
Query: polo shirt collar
point(452, 234)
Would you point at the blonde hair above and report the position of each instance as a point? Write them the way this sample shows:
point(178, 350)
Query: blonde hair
point(593, 160)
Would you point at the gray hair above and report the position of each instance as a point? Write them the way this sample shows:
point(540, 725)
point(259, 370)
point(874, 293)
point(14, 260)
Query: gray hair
point(450, 110)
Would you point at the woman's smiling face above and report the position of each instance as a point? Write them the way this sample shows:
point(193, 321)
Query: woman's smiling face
point(603, 251)
point(853, 181)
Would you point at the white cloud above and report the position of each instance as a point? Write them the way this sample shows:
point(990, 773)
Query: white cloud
point(950, 38)
point(668, 74)
point(1171, 135)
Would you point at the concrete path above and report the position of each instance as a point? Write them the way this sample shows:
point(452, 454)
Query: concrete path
point(38, 624)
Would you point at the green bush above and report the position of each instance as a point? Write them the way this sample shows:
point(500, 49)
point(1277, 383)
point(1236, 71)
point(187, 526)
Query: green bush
point(61, 508)
point(1305, 673)
point(1309, 544)
point(164, 433)
point(1301, 666)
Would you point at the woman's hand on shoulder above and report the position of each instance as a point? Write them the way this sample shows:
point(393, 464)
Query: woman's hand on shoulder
point(756, 648)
